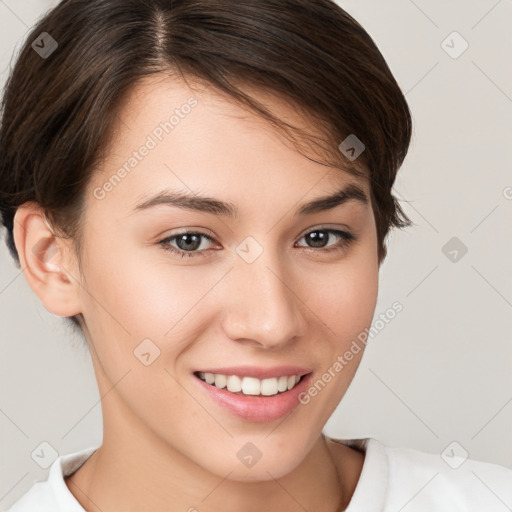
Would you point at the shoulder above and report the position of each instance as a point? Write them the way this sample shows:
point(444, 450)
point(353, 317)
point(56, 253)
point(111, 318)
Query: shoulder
point(408, 479)
point(429, 481)
point(39, 498)
point(52, 494)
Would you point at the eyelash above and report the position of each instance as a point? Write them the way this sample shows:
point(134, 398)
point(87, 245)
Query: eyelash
point(347, 238)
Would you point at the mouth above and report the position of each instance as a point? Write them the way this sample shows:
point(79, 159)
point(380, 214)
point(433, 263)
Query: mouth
point(255, 394)
point(251, 386)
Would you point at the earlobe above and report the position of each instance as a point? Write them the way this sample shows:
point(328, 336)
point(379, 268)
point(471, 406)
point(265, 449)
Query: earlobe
point(46, 261)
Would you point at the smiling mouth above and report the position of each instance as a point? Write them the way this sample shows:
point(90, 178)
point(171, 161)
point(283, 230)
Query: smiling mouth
point(251, 386)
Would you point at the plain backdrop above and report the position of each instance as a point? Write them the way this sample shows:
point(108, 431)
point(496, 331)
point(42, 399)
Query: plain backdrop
point(441, 371)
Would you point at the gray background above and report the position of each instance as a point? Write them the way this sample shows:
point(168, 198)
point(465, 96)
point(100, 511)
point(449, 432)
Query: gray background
point(441, 370)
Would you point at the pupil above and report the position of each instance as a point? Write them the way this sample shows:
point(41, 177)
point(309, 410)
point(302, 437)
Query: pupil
point(194, 239)
point(317, 236)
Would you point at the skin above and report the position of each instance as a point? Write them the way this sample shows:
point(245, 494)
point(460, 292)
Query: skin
point(166, 445)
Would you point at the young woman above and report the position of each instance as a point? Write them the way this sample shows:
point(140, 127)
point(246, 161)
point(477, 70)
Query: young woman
point(203, 188)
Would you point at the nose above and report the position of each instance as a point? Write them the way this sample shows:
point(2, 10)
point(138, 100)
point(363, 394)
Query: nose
point(266, 306)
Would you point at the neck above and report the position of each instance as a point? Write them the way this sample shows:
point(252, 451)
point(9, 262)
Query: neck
point(146, 478)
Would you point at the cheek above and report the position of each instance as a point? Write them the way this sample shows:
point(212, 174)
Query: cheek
point(346, 305)
point(130, 309)
point(354, 303)
point(344, 295)
point(140, 295)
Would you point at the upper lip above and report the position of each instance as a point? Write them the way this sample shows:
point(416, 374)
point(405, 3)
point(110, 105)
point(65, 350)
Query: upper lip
point(259, 372)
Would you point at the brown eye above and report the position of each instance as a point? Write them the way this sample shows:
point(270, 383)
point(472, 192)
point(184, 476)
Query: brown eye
point(319, 238)
point(187, 243)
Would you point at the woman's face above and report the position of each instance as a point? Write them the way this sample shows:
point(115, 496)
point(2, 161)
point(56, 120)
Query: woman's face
point(263, 288)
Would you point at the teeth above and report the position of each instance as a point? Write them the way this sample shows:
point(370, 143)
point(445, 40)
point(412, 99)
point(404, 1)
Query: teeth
point(220, 381)
point(251, 385)
point(282, 383)
point(234, 384)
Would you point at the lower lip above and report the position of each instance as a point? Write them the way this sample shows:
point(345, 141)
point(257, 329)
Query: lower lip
point(257, 408)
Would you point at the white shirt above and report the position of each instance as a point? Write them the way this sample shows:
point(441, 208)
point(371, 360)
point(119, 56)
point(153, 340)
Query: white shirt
point(392, 480)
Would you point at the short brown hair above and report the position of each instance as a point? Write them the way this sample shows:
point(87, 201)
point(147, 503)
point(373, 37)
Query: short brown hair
point(58, 112)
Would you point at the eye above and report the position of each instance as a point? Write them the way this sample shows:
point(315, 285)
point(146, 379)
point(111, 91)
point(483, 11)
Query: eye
point(190, 243)
point(320, 236)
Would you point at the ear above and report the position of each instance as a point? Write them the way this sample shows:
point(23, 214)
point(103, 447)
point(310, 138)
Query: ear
point(48, 261)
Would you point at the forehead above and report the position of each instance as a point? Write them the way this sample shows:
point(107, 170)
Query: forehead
point(189, 136)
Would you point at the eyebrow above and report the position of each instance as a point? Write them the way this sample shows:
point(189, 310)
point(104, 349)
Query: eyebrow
point(189, 201)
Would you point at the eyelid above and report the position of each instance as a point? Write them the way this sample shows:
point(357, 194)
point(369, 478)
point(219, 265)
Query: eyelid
point(202, 231)
point(327, 227)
